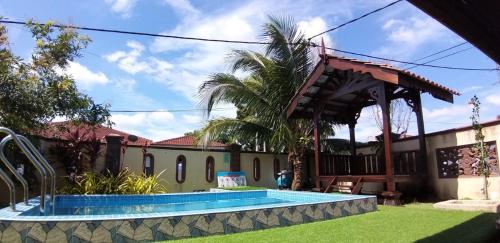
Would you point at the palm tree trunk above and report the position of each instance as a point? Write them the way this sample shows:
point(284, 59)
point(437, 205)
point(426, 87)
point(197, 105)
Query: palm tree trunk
point(296, 158)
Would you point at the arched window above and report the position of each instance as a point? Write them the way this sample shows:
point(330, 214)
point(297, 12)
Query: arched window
point(209, 169)
point(180, 169)
point(256, 169)
point(148, 164)
point(276, 164)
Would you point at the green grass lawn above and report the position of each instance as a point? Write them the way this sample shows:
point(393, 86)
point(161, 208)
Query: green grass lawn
point(411, 223)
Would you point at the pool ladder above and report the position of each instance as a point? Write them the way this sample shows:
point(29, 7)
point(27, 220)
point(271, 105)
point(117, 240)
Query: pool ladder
point(36, 158)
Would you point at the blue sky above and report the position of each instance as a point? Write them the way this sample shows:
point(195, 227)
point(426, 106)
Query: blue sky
point(138, 73)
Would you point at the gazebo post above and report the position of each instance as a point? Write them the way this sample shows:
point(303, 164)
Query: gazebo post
point(317, 148)
point(421, 131)
point(380, 94)
point(352, 141)
point(414, 101)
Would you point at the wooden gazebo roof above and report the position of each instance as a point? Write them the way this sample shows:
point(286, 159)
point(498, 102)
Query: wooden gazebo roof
point(340, 85)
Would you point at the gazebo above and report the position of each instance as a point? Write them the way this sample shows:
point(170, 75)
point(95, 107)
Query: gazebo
point(336, 91)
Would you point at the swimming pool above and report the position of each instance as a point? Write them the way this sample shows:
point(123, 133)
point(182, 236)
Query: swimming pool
point(106, 218)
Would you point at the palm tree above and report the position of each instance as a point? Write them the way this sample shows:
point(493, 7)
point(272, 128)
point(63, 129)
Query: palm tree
point(262, 96)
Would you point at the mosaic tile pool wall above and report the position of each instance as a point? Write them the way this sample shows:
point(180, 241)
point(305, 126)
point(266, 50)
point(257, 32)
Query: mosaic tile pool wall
point(183, 226)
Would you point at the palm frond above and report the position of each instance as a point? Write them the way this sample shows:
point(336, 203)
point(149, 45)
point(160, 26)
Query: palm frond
point(228, 88)
point(244, 129)
point(262, 96)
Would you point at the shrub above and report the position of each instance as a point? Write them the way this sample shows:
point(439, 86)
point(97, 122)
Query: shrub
point(141, 184)
point(125, 182)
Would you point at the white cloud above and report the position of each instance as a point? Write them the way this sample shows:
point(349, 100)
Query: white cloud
point(153, 126)
point(201, 59)
point(192, 119)
point(132, 61)
point(413, 31)
point(493, 99)
point(446, 117)
point(472, 88)
point(125, 84)
point(182, 6)
point(313, 26)
point(194, 61)
point(446, 113)
point(406, 36)
point(122, 7)
point(84, 77)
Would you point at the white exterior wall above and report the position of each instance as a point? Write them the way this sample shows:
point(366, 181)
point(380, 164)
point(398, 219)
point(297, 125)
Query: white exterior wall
point(266, 167)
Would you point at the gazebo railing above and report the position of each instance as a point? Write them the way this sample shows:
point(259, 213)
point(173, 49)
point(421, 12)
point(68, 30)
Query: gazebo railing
point(405, 163)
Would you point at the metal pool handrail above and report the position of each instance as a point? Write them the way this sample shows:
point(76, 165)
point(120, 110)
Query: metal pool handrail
point(13, 170)
point(46, 165)
point(12, 189)
point(33, 160)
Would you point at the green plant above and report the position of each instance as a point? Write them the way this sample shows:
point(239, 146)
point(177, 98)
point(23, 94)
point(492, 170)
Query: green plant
point(273, 78)
point(140, 184)
point(77, 146)
point(125, 182)
point(35, 91)
point(483, 166)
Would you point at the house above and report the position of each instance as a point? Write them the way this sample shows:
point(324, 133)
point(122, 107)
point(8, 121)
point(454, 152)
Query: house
point(188, 167)
point(185, 165)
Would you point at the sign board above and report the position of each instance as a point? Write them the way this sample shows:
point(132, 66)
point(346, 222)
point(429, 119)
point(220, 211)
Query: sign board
point(231, 179)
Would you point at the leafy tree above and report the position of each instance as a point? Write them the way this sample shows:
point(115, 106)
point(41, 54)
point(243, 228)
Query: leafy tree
point(33, 92)
point(273, 77)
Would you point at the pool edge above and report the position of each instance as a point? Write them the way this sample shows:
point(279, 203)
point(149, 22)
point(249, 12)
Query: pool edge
point(176, 227)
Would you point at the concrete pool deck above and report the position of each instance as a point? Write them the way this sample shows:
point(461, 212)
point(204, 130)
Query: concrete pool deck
point(489, 206)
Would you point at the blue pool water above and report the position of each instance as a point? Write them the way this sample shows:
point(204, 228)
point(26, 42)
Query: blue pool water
point(84, 209)
point(147, 218)
point(67, 205)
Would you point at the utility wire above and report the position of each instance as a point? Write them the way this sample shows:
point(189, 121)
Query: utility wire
point(249, 42)
point(140, 33)
point(411, 63)
point(439, 52)
point(356, 19)
point(169, 111)
point(439, 58)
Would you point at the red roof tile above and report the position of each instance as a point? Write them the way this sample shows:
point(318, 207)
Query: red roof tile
point(185, 141)
point(54, 131)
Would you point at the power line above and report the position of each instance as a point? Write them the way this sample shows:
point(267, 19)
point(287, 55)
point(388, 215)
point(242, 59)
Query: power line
point(411, 63)
point(169, 111)
point(248, 42)
point(356, 19)
point(141, 33)
point(439, 58)
point(444, 50)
